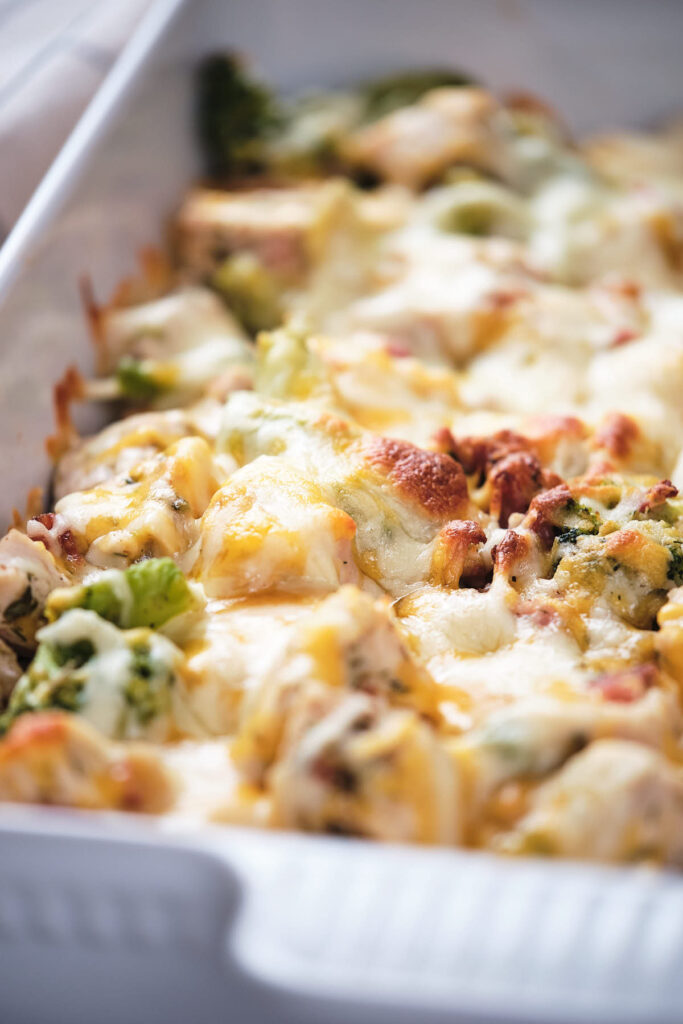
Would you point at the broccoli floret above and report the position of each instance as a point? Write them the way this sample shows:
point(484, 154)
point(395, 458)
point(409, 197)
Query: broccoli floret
point(286, 367)
point(160, 592)
point(250, 291)
point(584, 523)
point(137, 381)
point(120, 680)
point(477, 219)
point(99, 597)
point(147, 594)
point(570, 536)
point(234, 116)
point(52, 680)
point(675, 570)
point(384, 95)
point(146, 691)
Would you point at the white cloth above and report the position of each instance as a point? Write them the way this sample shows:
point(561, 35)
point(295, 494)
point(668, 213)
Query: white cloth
point(53, 56)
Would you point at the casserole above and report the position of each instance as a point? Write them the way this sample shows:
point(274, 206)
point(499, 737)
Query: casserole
point(80, 223)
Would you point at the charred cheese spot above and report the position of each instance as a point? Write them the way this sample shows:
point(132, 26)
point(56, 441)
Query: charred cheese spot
point(432, 480)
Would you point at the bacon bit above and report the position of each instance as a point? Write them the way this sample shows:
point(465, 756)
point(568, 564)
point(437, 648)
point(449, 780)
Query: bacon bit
point(508, 461)
point(70, 547)
point(627, 685)
point(64, 544)
point(46, 519)
point(541, 518)
point(513, 548)
point(451, 551)
point(70, 389)
point(539, 614)
point(657, 495)
point(434, 480)
point(503, 299)
point(397, 350)
point(617, 435)
point(623, 336)
point(514, 482)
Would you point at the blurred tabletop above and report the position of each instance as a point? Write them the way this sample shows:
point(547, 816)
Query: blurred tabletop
point(53, 56)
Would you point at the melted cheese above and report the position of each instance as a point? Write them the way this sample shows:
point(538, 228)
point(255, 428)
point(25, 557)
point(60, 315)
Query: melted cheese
point(436, 564)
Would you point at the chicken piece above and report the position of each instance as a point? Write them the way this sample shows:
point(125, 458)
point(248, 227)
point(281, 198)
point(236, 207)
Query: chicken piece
point(352, 766)
point(275, 225)
point(536, 735)
point(399, 495)
point(56, 758)
point(629, 158)
point(152, 512)
point(615, 801)
point(349, 643)
point(117, 449)
point(171, 351)
point(270, 528)
point(28, 573)
point(227, 660)
point(415, 145)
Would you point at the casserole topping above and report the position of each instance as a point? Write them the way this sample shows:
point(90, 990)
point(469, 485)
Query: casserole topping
point(386, 540)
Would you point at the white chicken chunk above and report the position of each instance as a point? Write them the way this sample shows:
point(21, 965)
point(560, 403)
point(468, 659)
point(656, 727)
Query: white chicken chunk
point(614, 801)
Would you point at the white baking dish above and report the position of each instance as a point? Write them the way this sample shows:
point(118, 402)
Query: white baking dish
point(112, 919)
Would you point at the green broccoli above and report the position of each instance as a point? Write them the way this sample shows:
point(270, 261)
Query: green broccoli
point(675, 570)
point(137, 381)
point(148, 593)
point(250, 291)
point(52, 681)
point(235, 116)
point(580, 521)
point(119, 680)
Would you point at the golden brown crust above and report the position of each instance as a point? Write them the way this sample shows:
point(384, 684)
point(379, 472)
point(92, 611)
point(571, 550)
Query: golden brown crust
point(514, 482)
point(477, 455)
point(434, 481)
point(542, 518)
point(511, 551)
point(453, 546)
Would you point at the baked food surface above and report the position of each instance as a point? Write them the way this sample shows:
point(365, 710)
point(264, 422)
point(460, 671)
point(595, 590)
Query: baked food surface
point(387, 539)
